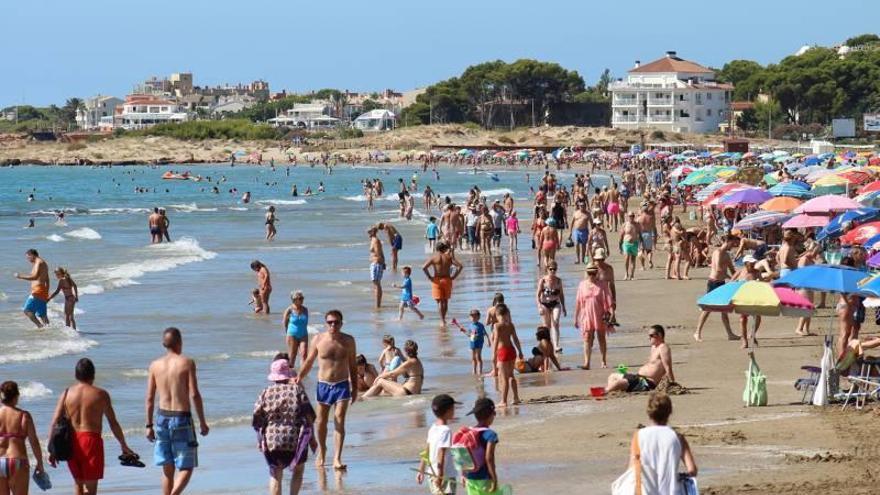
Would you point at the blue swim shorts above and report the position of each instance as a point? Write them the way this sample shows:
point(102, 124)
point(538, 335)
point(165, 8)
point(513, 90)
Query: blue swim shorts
point(35, 305)
point(176, 441)
point(376, 270)
point(397, 242)
point(581, 235)
point(647, 241)
point(331, 393)
point(475, 344)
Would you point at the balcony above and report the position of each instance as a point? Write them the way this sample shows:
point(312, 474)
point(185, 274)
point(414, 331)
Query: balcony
point(625, 102)
point(627, 119)
point(660, 119)
point(660, 102)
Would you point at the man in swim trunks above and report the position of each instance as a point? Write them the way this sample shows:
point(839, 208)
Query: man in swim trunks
point(659, 365)
point(580, 229)
point(630, 235)
point(264, 285)
point(173, 376)
point(155, 223)
point(336, 353)
point(394, 240)
point(35, 305)
point(441, 279)
point(377, 264)
point(648, 233)
point(720, 267)
point(86, 406)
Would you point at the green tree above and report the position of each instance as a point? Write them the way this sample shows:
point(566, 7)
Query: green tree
point(70, 108)
point(862, 39)
point(370, 104)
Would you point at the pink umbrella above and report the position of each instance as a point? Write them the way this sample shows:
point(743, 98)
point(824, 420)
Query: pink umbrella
point(804, 221)
point(829, 203)
point(792, 303)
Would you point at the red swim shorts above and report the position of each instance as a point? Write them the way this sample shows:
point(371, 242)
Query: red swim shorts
point(506, 353)
point(87, 461)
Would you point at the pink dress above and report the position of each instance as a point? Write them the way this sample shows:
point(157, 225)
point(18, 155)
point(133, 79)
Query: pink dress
point(512, 225)
point(594, 301)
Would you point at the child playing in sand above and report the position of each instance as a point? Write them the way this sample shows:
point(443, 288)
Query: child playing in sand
point(255, 300)
point(391, 357)
point(68, 287)
point(406, 295)
point(476, 333)
point(442, 477)
point(545, 346)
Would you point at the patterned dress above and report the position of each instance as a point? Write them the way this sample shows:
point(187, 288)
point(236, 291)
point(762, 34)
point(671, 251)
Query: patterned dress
point(283, 418)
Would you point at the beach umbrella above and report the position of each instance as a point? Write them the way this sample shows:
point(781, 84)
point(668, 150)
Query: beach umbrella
point(697, 178)
point(825, 156)
point(681, 170)
point(770, 179)
point(714, 198)
point(751, 196)
point(792, 189)
point(707, 191)
point(781, 204)
point(756, 298)
point(872, 285)
point(861, 234)
point(827, 204)
point(856, 176)
point(874, 262)
point(818, 174)
point(825, 278)
point(846, 220)
point(804, 221)
point(870, 187)
point(869, 199)
point(761, 219)
point(767, 157)
point(811, 160)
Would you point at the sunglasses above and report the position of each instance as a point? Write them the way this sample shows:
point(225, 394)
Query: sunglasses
point(652, 335)
point(551, 269)
point(334, 323)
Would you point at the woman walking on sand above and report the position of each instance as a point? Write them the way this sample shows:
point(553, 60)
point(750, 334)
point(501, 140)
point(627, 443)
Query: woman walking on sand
point(551, 302)
point(270, 223)
point(593, 310)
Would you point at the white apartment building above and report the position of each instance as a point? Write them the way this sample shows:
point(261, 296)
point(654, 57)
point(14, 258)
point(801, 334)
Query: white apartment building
point(141, 111)
point(670, 94)
point(308, 116)
point(89, 116)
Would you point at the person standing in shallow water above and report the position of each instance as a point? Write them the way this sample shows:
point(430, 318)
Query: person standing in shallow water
point(377, 264)
point(35, 305)
point(442, 278)
point(270, 223)
point(264, 286)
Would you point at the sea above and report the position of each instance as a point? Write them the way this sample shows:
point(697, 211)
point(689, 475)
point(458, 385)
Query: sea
point(200, 282)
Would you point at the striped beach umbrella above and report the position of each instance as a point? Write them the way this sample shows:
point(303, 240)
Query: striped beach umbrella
point(756, 298)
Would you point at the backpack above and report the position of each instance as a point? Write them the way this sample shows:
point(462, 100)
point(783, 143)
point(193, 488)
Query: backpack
point(468, 450)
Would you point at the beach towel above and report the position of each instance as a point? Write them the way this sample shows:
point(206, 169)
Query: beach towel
point(755, 393)
point(820, 393)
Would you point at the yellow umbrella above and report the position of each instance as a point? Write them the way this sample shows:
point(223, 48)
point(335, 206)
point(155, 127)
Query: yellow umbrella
point(832, 180)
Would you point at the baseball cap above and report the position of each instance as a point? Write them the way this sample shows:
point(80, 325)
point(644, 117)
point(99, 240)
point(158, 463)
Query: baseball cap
point(442, 402)
point(483, 405)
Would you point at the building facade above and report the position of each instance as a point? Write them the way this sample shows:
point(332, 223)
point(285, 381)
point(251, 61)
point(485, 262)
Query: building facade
point(670, 94)
point(88, 117)
point(140, 111)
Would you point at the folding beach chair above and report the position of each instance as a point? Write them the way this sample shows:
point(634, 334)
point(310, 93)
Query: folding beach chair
point(864, 385)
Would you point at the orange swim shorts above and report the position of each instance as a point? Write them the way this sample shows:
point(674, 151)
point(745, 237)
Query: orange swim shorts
point(441, 288)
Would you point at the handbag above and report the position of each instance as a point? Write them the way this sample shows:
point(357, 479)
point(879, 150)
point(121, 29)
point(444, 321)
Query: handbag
point(630, 482)
point(61, 438)
point(755, 393)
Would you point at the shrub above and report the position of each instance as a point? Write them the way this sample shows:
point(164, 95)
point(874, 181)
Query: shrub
point(505, 140)
point(658, 134)
point(472, 126)
point(349, 133)
point(76, 146)
point(213, 129)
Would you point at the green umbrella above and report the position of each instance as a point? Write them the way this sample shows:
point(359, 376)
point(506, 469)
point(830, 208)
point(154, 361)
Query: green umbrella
point(699, 178)
point(771, 179)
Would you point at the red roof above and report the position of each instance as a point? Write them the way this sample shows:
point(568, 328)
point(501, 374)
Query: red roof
point(145, 100)
point(671, 64)
point(741, 105)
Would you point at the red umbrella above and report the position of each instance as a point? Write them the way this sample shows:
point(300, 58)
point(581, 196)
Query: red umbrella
point(871, 186)
point(713, 198)
point(856, 176)
point(861, 234)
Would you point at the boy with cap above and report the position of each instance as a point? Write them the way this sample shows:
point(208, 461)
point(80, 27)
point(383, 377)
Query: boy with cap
point(442, 480)
point(484, 480)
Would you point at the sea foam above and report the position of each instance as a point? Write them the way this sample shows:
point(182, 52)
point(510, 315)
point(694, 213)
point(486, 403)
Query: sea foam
point(84, 233)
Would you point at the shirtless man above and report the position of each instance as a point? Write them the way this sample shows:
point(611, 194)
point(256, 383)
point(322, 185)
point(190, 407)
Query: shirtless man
point(377, 264)
point(787, 255)
point(264, 286)
point(648, 232)
point(441, 279)
point(337, 382)
point(35, 305)
point(173, 376)
point(457, 229)
point(580, 229)
point(758, 248)
point(86, 405)
point(394, 240)
point(720, 267)
point(155, 223)
point(630, 236)
point(659, 365)
point(446, 225)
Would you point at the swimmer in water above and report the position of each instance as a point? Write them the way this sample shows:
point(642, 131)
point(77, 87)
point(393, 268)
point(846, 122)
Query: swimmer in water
point(246, 197)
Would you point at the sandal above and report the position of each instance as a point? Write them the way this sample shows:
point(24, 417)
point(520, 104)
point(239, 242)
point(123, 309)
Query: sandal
point(132, 460)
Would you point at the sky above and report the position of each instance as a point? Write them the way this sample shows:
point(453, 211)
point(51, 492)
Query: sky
point(55, 49)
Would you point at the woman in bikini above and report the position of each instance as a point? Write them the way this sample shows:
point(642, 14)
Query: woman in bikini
point(296, 323)
point(270, 223)
point(16, 425)
point(411, 369)
point(68, 287)
point(507, 350)
point(550, 240)
point(551, 302)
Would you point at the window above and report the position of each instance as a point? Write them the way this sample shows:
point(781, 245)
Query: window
point(708, 112)
point(683, 114)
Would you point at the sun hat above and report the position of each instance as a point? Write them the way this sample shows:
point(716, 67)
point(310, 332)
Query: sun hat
point(279, 370)
point(597, 221)
point(591, 267)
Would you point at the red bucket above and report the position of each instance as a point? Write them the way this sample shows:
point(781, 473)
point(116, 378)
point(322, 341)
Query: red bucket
point(597, 392)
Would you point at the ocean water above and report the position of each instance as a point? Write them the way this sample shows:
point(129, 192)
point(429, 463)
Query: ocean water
point(131, 290)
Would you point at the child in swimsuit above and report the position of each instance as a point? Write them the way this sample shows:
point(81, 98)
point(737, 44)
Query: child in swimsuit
point(406, 295)
point(68, 287)
point(476, 332)
point(391, 356)
point(255, 299)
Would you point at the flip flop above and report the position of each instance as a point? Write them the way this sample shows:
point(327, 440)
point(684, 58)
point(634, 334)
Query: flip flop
point(132, 460)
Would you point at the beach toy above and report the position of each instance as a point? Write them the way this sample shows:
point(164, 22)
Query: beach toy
point(520, 365)
point(622, 369)
point(395, 362)
point(597, 392)
point(416, 300)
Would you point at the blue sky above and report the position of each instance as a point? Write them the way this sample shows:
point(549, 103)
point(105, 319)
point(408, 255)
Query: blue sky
point(55, 49)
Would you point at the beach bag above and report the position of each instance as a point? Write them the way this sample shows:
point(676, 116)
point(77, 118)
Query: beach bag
point(687, 485)
point(821, 392)
point(636, 480)
point(755, 393)
point(468, 452)
point(61, 438)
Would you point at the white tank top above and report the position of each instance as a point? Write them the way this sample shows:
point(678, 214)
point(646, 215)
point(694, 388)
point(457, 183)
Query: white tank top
point(661, 451)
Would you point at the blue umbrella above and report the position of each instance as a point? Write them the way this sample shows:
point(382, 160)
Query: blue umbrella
point(720, 298)
point(826, 278)
point(871, 242)
point(791, 189)
point(811, 160)
point(872, 286)
point(846, 220)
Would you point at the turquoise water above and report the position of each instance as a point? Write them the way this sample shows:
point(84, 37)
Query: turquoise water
point(201, 283)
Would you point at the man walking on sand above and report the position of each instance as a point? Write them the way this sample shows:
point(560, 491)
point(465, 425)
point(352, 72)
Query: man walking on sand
point(86, 405)
point(173, 376)
point(337, 382)
point(35, 305)
point(377, 264)
point(630, 235)
point(720, 267)
point(441, 279)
